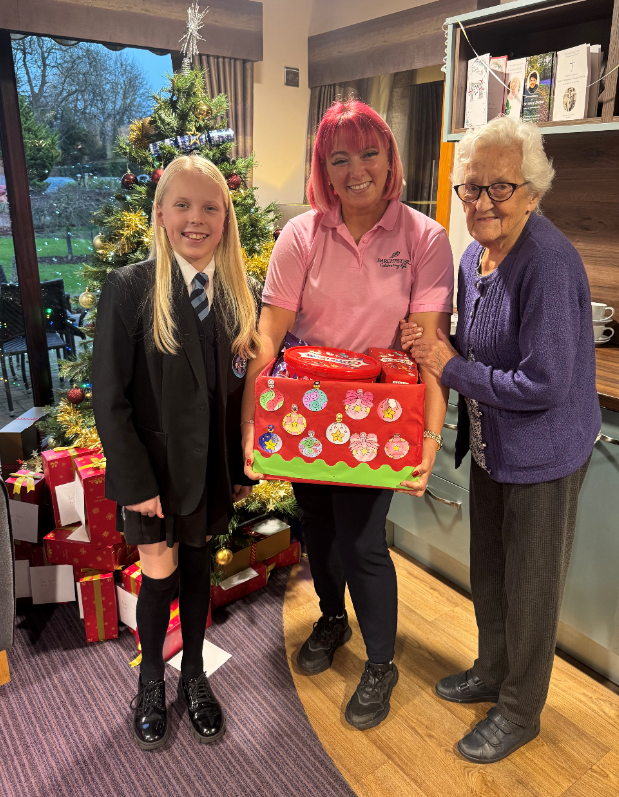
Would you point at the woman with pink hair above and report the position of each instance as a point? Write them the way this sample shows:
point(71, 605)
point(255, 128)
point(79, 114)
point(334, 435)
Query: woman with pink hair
point(345, 274)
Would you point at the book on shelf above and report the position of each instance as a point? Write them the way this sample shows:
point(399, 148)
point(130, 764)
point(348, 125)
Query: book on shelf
point(538, 90)
point(484, 89)
point(571, 93)
point(516, 71)
point(595, 73)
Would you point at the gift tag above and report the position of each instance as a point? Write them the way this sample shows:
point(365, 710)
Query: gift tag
point(358, 403)
point(271, 399)
point(294, 423)
point(389, 410)
point(270, 442)
point(364, 446)
point(310, 446)
point(396, 447)
point(338, 432)
point(315, 399)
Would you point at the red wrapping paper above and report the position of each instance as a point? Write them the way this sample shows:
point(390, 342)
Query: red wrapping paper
point(61, 550)
point(396, 366)
point(99, 605)
point(131, 578)
point(100, 511)
point(58, 468)
point(290, 556)
point(28, 487)
point(221, 597)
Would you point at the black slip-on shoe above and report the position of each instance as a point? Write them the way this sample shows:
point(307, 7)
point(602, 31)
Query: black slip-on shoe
point(370, 704)
point(316, 654)
point(150, 718)
point(494, 738)
point(466, 687)
point(207, 717)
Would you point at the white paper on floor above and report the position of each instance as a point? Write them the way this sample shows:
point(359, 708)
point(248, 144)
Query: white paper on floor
point(213, 657)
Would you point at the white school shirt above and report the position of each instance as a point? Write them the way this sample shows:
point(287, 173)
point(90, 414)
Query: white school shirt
point(189, 273)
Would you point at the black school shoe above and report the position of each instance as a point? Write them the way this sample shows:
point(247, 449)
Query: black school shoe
point(494, 738)
point(208, 721)
point(370, 705)
point(316, 654)
point(466, 687)
point(150, 718)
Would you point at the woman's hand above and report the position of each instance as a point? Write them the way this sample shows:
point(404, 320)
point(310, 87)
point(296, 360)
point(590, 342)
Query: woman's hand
point(247, 437)
point(409, 332)
point(151, 507)
point(240, 491)
point(433, 354)
point(423, 470)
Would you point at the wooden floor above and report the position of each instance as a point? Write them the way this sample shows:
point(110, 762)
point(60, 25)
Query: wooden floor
point(413, 751)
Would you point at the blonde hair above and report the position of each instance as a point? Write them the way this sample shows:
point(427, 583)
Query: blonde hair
point(231, 289)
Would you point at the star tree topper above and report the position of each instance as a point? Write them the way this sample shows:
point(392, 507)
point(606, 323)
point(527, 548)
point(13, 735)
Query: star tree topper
point(190, 38)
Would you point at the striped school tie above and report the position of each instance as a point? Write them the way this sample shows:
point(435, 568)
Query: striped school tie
point(198, 297)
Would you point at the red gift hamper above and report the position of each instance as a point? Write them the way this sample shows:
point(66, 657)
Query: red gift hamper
point(337, 430)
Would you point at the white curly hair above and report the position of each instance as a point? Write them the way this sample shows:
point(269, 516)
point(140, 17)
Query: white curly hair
point(505, 131)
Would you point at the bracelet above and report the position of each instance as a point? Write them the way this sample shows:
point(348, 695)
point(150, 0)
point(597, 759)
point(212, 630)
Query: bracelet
point(244, 422)
point(436, 437)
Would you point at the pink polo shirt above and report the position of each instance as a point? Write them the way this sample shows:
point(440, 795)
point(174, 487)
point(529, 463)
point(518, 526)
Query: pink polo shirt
point(353, 296)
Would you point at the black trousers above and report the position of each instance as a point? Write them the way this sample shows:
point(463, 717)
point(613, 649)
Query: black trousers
point(344, 530)
point(521, 543)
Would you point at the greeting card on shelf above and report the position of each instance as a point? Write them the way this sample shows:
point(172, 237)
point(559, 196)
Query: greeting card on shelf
point(485, 89)
point(595, 73)
point(538, 90)
point(571, 98)
point(516, 72)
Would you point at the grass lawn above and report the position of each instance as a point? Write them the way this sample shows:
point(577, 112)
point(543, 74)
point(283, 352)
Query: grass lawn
point(53, 246)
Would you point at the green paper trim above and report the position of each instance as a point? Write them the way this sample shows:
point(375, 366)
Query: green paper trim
point(317, 470)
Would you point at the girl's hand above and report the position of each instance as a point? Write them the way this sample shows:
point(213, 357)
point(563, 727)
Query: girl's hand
point(409, 333)
point(151, 507)
point(433, 354)
point(247, 436)
point(428, 457)
point(240, 491)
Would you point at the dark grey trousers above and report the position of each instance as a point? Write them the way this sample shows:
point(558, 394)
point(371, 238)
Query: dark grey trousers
point(521, 543)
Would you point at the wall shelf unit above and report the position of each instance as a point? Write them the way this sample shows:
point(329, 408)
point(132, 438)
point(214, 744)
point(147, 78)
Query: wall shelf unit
point(525, 28)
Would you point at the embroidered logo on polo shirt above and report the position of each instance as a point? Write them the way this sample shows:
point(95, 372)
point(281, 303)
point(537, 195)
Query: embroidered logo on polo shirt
point(393, 262)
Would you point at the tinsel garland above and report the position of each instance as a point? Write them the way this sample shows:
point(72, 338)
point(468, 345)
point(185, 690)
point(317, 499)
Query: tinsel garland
point(72, 423)
point(140, 133)
point(266, 496)
point(257, 265)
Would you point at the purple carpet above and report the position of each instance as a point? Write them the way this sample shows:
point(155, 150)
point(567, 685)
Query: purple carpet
point(65, 722)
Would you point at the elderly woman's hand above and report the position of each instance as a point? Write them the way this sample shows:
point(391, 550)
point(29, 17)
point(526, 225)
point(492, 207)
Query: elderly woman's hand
point(433, 354)
point(409, 332)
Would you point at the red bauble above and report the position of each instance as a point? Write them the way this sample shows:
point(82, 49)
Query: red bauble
point(277, 233)
point(156, 175)
point(234, 182)
point(128, 181)
point(76, 395)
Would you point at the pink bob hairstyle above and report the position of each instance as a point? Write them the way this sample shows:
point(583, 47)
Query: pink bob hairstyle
point(361, 128)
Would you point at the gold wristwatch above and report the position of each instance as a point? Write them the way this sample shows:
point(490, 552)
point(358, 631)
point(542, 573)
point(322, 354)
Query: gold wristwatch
point(436, 437)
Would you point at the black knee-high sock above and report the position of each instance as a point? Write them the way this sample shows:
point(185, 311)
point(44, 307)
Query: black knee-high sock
point(195, 593)
point(153, 615)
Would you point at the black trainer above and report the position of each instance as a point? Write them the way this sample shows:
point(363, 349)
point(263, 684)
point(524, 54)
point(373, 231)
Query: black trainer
point(370, 705)
point(207, 717)
point(150, 718)
point(316, 654)
point(466, 687)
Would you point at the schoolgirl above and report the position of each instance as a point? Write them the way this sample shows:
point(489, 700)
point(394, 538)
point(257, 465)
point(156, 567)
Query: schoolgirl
point(171, 345)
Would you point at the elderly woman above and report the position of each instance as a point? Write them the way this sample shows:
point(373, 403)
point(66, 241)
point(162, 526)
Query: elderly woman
point(524, 365)
point(328, 284)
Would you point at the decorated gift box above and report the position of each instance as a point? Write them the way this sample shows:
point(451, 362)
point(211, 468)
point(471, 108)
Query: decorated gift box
point(59, 469)
point(98, 595)
point(343, 432)
point(290, 556)
point(27, 551)
point(70, 546)
point(237, 586)
point(396, 367)
point(131, 578)
point(31, 516)
point(99, 511)
point(174, 635)
point(266, 539)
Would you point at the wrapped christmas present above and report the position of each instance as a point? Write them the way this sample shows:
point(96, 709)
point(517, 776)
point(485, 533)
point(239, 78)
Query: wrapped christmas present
point(131, 578)
point(341, 431)
point(97, 512)
point(98, 601)
point(174, 636)
point(239, 585)
point(396, 367)
point(59, 471)
point(266, 539)
point(290, 556)
point(31, 517)
point(71, 546)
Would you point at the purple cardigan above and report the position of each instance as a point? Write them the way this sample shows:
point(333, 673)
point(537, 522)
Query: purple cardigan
point(528, 325)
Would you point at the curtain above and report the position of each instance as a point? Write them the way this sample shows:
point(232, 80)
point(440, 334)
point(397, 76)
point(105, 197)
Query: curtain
point(424, 145)
point(235, 78)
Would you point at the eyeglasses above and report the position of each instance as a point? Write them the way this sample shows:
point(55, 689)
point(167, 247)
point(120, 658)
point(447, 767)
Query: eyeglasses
point(498, 192)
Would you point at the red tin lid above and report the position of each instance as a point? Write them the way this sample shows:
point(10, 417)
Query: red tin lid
point(327, 363)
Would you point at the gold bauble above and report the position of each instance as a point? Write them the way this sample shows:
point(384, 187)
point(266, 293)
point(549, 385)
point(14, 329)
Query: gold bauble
point(224, 556)
point(202, 110)
point(87, 300)
point(97, 242)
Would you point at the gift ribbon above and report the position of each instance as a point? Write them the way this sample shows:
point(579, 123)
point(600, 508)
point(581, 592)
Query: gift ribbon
point(71, 449)
point(96, 463)
point(25, 478)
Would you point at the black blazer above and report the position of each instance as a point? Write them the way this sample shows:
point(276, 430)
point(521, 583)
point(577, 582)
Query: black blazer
point(152, 409)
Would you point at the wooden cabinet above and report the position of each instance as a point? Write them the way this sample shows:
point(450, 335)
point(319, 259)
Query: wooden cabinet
point(526, 28)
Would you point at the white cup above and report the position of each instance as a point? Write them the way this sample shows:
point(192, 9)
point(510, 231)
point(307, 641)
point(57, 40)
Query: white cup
point(602, 334)
point(600, 312)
